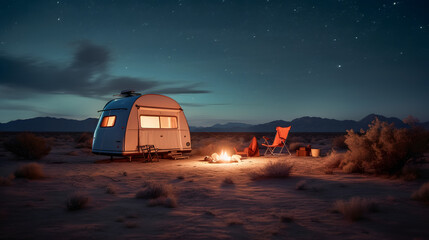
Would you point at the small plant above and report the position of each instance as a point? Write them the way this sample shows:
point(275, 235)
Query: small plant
point(110, 189)
point(30, 171)
point(301, 185)
point(333, 160)
point(279, 169)
point(422, 194)
point(169, 202)
point(159, 195)
point(228, 181)
point(77, 201)
point(28, 146)
point(355, 208)
point(84, 141)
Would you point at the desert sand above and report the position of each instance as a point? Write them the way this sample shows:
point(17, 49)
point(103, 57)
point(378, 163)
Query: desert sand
point(207, 208)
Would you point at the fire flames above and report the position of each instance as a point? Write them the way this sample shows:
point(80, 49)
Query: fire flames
point(223, 158)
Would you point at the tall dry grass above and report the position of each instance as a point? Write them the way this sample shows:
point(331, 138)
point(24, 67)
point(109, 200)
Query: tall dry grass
point(278, 169)
point(77, 201)
point(30, 171)
point(28, 146)
point(355, 208)
point(159, 194)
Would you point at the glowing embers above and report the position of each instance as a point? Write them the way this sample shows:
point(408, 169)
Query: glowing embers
point(223, 158)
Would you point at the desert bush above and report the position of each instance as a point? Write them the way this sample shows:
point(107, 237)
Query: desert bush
point(279, 169)
point(77, 201)
point(30, 171)
point(338, 143)
point(383, 149)
point(227, 181)
point(159, 195)
point(110, 189)
point(154, 190)
point(84, 141)
point(169, 202)
point(422, 194)
point(28, 146)
point(333, 160)
point(355, 208)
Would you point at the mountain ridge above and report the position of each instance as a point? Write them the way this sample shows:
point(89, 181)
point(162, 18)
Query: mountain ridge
point(303, 124)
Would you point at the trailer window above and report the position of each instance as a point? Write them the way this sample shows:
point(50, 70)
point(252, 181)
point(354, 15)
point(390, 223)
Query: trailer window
point(149, 121)
point(108, 121)
point(168, 122)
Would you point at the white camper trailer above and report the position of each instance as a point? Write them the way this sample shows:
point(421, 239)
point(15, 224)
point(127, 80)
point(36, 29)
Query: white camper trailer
point(127, 124)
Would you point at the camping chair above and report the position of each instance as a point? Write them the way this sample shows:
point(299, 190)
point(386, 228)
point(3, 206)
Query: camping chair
point(279, 140)
point(251, 151)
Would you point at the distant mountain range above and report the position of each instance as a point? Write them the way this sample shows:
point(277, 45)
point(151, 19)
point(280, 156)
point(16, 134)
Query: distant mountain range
point(303, 124)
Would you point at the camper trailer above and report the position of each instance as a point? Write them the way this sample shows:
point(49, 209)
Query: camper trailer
point(128, 123)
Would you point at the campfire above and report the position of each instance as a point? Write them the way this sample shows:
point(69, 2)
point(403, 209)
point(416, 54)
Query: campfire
point(223, 158)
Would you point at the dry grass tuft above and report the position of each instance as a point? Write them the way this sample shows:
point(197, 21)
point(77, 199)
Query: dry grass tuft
point(169, 202)
point(301, 185)
point(279, 169)
point(28, 146)
point(355, 208)
point(422, 194)
point(159, 195)
point(84, 141)
point(333, 160)
point(228, 181)
point(77, 201)
point(30, 171)
point(110, 189)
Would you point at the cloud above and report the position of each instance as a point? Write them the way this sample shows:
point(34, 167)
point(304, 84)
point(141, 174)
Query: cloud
point(86, 75)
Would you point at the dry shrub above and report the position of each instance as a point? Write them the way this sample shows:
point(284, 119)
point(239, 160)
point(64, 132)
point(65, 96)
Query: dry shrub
point(333, 160)
point(383, 149)
point(422, 194)
point(84, 141)
point(355, 208)
point(228, 181)
point(169, 202)
point(110, 189)
point(77, 201)
point(30, 171)
point(278, 169)
point(28, 146)
point(339, 143)
point(301, 185)
point(159, 195)
point(410, 173)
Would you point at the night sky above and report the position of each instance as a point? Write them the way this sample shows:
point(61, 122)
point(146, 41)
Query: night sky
point(223, 61)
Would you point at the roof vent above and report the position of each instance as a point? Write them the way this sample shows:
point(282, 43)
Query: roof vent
point(128, 93)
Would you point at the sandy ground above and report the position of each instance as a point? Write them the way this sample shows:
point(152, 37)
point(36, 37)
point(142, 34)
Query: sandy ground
point(207, 208)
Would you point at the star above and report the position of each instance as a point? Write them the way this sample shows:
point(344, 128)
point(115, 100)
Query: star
point(339, 66)
point(59, 19)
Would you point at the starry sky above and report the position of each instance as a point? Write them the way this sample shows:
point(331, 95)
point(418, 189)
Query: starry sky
point(224, 61)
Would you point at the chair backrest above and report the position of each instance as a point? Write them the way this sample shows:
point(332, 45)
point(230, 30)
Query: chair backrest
point(253, 144)
point(282, 133)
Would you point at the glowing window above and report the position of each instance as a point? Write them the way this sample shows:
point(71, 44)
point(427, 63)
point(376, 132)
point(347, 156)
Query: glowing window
point(108, 121)
point(168, 122)
point(149, 121)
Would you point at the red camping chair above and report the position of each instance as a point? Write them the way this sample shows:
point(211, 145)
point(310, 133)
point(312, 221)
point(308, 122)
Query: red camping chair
point(279, 140)
point(251, 151)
